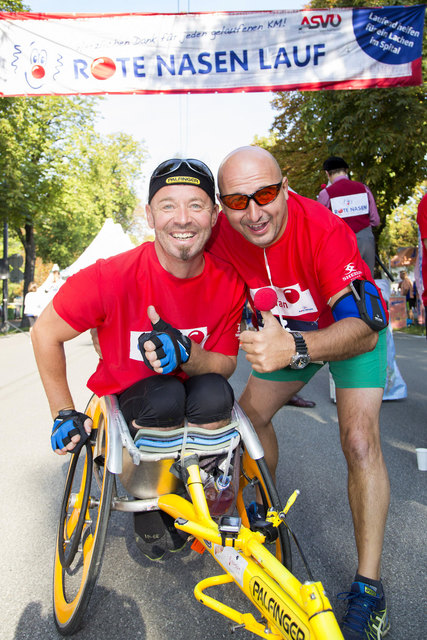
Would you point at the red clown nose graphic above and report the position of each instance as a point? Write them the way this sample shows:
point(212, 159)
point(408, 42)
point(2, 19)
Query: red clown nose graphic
point(103, 68)
point(38, 72)
point(196, 335)
point(291, 295)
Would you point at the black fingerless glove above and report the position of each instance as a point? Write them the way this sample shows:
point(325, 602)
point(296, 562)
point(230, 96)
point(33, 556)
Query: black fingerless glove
point(68, 423)
point(173, 348)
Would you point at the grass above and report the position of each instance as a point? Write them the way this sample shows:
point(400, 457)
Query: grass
point(413, 330)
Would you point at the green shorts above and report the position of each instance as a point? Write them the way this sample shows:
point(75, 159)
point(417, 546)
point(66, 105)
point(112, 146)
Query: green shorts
point(365, 371)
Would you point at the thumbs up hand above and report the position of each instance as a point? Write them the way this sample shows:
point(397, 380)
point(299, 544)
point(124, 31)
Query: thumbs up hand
point(165, 348)
point(146, 345)
point(152, 314)
point(269, 349)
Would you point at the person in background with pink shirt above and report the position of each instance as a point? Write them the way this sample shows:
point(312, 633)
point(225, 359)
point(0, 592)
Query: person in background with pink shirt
point(354, 203)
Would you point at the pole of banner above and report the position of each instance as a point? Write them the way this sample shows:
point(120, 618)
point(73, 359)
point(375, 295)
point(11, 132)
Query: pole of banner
point(183, 109)
point(188, 7)
point(384, 268)
point(5, 280)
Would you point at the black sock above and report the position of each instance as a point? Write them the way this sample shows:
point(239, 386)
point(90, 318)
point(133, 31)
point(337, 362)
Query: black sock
point(373, 583)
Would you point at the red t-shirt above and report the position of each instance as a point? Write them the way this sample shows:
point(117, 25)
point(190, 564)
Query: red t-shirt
point(422, 223)
point(113, 295)
point(315, 258)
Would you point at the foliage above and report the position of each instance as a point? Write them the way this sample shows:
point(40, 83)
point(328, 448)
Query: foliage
point(381, 133)
point(60, 180)
point(32, 131)
point(13, 5)
point(140, 231)
point(98, 183)
point(401, 228)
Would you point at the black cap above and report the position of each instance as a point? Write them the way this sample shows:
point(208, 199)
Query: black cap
point(187, 172)
point(333, 163)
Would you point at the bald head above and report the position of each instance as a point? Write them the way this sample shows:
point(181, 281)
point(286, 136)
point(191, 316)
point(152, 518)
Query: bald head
point(247, 161)
point(247, 171)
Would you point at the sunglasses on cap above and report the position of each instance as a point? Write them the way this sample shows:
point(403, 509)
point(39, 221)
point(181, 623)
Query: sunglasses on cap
point(263, 196)
point(170, 166)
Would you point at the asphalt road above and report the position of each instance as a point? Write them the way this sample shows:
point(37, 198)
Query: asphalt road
point(138, 599)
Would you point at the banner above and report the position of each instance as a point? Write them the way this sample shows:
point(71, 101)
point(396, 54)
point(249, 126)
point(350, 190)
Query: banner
point(210, 52)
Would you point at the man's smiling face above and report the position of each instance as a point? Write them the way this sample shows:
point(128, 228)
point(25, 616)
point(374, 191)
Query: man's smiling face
point(245, 172)
point(182, 217)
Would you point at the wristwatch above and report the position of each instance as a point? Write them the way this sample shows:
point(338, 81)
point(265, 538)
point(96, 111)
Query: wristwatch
point(301, 359)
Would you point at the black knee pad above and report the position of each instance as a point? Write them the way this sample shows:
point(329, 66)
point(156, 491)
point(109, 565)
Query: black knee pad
point(209, 398)
point(157, 401)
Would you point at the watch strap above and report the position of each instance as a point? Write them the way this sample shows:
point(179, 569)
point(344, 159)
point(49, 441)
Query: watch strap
point(300, 343)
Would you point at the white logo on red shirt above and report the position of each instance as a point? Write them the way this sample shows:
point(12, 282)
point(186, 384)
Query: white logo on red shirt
point(292, 301)
point(350, 268)
point(352, 272)
point(237, 334)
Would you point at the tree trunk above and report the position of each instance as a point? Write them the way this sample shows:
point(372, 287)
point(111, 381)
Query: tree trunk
point(30, 256)
point(30, 264)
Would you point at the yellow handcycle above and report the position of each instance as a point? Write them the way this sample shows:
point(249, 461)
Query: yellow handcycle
point(167, 475)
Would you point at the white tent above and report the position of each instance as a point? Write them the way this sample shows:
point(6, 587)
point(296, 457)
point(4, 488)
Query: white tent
point(110, 241)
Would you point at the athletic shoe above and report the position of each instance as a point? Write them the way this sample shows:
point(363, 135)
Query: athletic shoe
point(151, 550)
point(366, 616)
point(175, 540)
point(155, 534)
point(150, 534)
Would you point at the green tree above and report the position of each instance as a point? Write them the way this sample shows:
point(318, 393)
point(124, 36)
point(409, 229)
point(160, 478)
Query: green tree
point(32, 131)
point(98, 183)
point(59, 179)
point(13, 5)
point(381, 133)
point(401, 228)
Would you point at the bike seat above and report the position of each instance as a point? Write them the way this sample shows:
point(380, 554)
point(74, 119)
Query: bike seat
point(195, 439)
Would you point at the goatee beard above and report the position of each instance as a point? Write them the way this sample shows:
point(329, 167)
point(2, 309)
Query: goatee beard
point(184, 254)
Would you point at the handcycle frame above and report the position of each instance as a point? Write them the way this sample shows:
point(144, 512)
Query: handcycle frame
point(290, 609)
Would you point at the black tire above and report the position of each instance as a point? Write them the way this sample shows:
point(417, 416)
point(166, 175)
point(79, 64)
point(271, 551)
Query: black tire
point(255, 473)
point(80, 541)
point(68, 543)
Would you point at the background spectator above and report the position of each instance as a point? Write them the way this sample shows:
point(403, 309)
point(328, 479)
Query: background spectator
point(32, 304)
point(354, 203)
point(406, 288)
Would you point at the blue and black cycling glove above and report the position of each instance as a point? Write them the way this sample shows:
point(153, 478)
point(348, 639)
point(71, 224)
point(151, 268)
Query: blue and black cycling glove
point(173, 348)
point(68, 423)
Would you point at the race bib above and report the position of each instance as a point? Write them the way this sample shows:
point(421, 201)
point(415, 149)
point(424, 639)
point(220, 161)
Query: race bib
point(352, 205)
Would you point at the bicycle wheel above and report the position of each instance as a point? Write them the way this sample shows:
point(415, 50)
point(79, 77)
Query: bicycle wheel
point(255, 474)
point(85, 512)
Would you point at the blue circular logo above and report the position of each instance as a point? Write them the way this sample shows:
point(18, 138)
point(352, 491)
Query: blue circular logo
point(391, 35)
